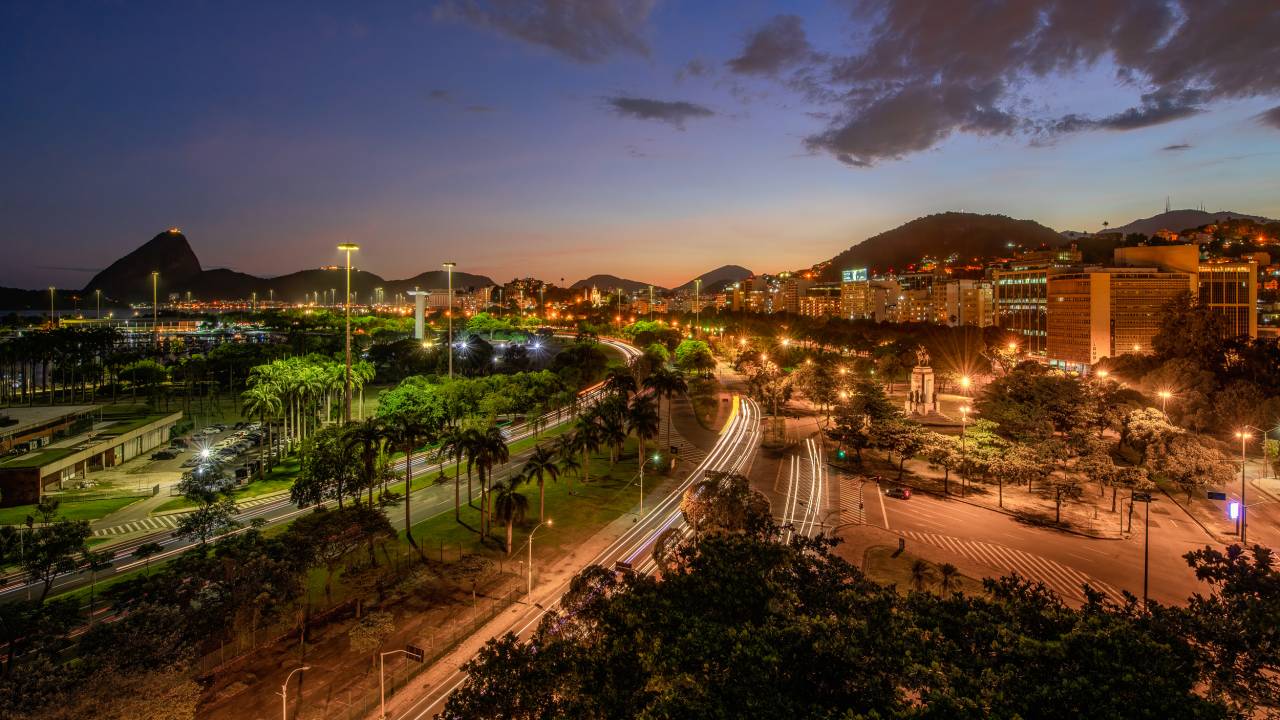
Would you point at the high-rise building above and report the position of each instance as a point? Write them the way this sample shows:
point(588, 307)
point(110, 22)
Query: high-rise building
point(1096, 313)
point(822, 299)
point(963, 302)
point(853, 293)
point(1230, 288)
point(1021, 298)
point(793, 288)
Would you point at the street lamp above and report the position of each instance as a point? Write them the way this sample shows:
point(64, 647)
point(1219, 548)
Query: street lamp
point(53, 314)
point(655, 460)
point(449, 266)
point(155, 306)
point(964, 385)
point(964, 455)
point(284, 692)
point(1146, 543)
point(1244, 436)
point(97, 294)
point(531, 532)
point(1164, 396)
point(1103, 374)
point(348, 248)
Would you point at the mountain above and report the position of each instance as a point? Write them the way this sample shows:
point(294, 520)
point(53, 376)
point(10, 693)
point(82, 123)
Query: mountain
point(967, 235)
point(130, 276)
point(607, 282)
point(716, 280)
point(1179, 220)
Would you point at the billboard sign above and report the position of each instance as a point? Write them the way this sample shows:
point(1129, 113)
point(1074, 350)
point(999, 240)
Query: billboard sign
point(855, 275)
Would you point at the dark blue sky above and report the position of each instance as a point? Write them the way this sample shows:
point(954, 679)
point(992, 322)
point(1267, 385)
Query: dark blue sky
point(653, 140)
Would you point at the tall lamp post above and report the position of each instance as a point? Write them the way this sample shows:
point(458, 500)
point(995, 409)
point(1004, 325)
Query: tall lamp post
point(155, 305)
point(1244, 436)
point(1146, 542)
point(97, 294)
point(53, 314)
point(964, 455)
point(284, 692)
point(449, 266)
point(531, 532)
point(1164, 396)
point(348, 248)
point(697, 305)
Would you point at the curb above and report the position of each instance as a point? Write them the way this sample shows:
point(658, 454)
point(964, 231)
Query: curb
point(1212, 535)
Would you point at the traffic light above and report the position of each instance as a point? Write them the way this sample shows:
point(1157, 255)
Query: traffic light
point(840, 453)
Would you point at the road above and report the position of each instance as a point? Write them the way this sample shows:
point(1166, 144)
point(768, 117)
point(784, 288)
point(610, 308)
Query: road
point(734, 449)
point(427, 502)
point(1060, 559)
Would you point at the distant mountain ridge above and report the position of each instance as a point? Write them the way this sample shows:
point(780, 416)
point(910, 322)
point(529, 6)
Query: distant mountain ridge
point(968, 235)
point(1179, 220)
point(129, 278)
point(716, 280)
point(610, 282)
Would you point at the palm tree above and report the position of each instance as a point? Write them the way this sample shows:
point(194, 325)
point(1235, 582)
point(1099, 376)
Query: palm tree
point(366, 438)
point(921, 575)
point(667, 384)
point(408, 430)
point(642, 420)
point(613, 432)
point(362, 373)
point(262, 401)
point(567, 453)
point(510, 506)
point(490, 450)
point(586, 437)
point(539, 465)
point(453, 445)
point(949, 578)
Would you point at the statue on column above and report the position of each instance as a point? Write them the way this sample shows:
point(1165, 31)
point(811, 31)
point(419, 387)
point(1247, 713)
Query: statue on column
point(922, 356)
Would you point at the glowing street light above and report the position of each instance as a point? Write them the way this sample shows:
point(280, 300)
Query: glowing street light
point(1244, 435)
point(348, 248)
point(1164, 396)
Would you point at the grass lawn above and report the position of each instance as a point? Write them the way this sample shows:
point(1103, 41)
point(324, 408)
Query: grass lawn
point(576, 517)
point(880, 565)
point(86, 510)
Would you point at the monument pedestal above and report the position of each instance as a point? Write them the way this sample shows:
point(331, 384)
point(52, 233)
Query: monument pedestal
point(922, 399)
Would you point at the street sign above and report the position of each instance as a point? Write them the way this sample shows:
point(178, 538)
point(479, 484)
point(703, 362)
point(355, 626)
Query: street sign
point(1217, 495)
point(414, 653)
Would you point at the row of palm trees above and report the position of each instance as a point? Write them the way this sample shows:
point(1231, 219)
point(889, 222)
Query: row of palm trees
point(301, 393)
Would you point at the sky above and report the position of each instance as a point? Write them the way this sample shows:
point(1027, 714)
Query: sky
point(650, 139)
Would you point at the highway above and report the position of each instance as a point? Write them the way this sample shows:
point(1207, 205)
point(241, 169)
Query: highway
point(427, 502)
point(733, 452)
point(802, 512)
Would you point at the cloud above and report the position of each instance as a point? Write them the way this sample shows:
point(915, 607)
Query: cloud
point(673, 112)
point(1270, 117)
point(915, 72)
point(1176, 148)
point(693, 68)
point(440, 95)
point(587, 31)
point(781, 43)
point(479, 109)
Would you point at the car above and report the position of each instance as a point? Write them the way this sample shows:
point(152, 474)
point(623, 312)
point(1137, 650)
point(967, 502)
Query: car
point(163, 455)
point(901, 493)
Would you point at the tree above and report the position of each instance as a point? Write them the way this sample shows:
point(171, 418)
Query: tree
point(95, 561)
point(566, 452)
point(51, 550)
point(261, 401)
point(509, 506)
point(695, 356)
point(145, 552)
point(921, 575)
point(408, 431)
point(948, 578)
point(541, 465)
point(724, 502)
point(329, 471)
point(453, 445)
point(667, 384)
point(488, 448)
point(642, 421)
point(370, 632)
point(1190, 463)
point(903, 437)
point(366, 439)
point(1031, 403)
point(943, 451)
point(209, 520)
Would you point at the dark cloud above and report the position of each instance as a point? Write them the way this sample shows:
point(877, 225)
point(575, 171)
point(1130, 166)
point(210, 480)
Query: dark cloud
point(693, 68)
point(1176, 148)
point(674, 112)
point(780, 44)
point(1270, 117)
point(583, 30)
point(926, 69)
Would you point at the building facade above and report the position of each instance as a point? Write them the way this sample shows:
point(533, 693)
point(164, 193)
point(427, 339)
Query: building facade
point(1097, 313)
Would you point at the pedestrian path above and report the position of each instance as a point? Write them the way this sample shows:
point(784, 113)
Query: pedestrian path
point(688, 451)
point(852, 507)
point(170, 520)
point(1061, 579)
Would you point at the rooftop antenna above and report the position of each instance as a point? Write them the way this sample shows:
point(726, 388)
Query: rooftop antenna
point(1166, 203)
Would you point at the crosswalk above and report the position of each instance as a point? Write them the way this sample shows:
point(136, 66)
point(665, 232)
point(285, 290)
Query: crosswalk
point(852, 508)
point(1063, 580)
point(170, 521)
point(151, 524)
point(689, 453)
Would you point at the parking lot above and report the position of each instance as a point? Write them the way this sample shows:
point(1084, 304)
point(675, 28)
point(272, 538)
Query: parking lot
point(219, 456)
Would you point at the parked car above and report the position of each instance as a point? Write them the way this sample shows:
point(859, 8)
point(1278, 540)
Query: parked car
point(901, 493)
point(163, 455)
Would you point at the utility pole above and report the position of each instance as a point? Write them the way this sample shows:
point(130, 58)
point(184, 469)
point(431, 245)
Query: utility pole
point(53, 314)
point(1146, 544)
point(348, 248)
point(97, 294)
point(449, 266)
point(650, 303)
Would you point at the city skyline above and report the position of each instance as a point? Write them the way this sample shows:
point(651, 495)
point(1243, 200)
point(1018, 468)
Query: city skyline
point(653, 141)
